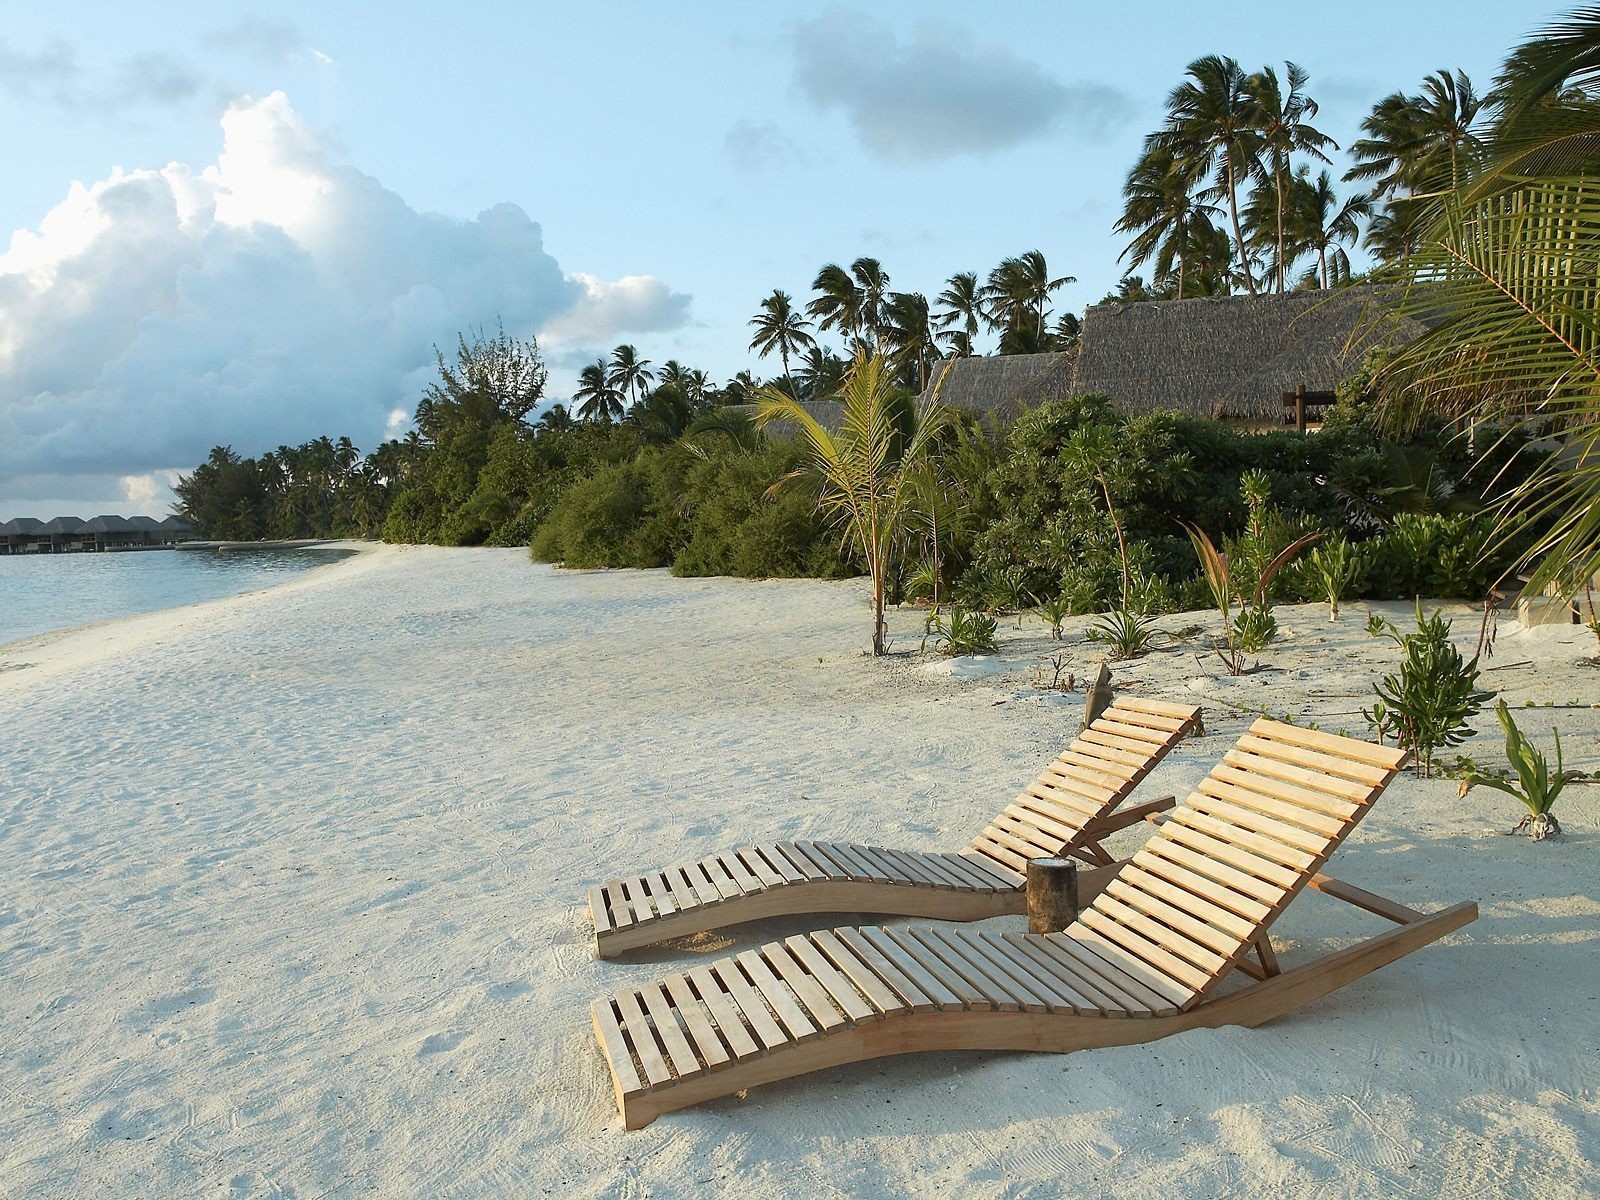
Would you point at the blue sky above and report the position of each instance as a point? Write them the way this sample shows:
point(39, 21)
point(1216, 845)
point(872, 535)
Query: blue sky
point(648, 172)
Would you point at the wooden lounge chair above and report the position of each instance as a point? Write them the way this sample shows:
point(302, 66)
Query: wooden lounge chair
point(1144, 960)
point(1067, 810)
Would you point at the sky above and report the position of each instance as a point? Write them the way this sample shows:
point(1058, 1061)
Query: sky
point(230, 224)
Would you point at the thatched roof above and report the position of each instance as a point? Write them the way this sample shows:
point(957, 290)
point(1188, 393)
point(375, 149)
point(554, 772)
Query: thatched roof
point(22, 525)
point(147, 524)
point(1004, 385)
point(107, 524)
point(1232, 356)
point(825, 412)
point(176, 524)
point(63, 525)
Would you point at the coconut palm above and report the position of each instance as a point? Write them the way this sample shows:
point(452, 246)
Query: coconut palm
point(960, 312)
point(1283, 124)
point(1505, 274)
point(820, 373)
point(1322, 225)
point(872, 284)
point(908, 336)
point(780, 327)
point(1036, 272)
point(1211, 133)
point(628, 372)
point(1007, 296)
point(1164, 215)
point(597, 399)
point(865, 469)
point(555, 418)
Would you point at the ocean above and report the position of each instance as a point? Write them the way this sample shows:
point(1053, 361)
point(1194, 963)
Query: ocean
point(44, 592)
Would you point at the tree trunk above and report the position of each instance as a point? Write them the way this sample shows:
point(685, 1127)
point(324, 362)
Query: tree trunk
point(1277, 183)
point(1238, 233)
point(877, 612)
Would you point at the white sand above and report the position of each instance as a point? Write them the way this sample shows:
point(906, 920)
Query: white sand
point(291, 905)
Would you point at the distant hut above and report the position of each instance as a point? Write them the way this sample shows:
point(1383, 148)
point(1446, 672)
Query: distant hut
point(176, 529)
point(1004, 385)
point(1231, 358)
point(23, 535)
point(65, 533)
point(110, 532)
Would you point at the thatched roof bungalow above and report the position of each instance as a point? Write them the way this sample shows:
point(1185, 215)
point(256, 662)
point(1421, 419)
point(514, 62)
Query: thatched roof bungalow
point(1231, 357)
point(1004, 385)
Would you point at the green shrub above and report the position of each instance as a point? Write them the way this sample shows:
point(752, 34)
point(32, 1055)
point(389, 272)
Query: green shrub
point(622, 516)
point(1126, 634)
point(965, 631)
point(1430, 701)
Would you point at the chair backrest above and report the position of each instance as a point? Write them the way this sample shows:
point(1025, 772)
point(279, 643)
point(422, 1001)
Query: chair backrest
point(1097, 772)
point(1227, 861)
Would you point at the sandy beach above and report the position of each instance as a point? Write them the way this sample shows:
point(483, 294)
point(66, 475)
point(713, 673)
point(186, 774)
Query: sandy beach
point(292, 903)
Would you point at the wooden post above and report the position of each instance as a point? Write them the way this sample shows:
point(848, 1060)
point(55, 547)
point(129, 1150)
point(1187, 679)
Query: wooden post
point(1300, 407)
point(1097, 697)
point(1052, 894)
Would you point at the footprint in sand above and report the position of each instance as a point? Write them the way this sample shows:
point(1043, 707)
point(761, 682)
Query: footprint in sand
point(509, 990)
point(442, 1043)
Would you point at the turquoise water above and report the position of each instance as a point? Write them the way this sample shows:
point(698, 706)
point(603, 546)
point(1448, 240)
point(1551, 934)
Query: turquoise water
point(42, 592)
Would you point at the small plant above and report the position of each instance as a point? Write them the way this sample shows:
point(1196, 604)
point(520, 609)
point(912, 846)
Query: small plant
point(1226, 591)
point(1061, 679)
point(922, 586)
point(1004, 592)
point(966, 632)
point(1335, 565)
point(1053, 611)
point(1125, 634)
point(1535, 785)
point(1253, 628)
point(1430, 702)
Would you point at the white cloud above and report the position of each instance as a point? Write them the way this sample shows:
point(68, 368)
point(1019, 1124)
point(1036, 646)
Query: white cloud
point(270, 297)
point(941, 92)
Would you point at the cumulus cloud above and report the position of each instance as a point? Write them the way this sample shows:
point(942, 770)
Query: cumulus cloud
point(938, 93)
point(53, 77)
point(271, 296)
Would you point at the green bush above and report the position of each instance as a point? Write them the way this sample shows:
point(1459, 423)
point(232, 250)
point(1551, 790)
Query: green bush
point(621, 516)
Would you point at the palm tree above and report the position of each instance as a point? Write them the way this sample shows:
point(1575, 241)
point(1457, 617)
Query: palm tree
point(697, 386)
point(872, 283)
point(865, 469)
point(837, 304)
point(1162, 212)
point(1211, 132)
point(675, 373)
point(596, 397)
point(1007, 296)
point(1322, 225)
point(555, 418)
point(1283, 123)
point(780, 327)
point(1416, 148)
point(959, 306)
point(1041, 287)
point(820, 372)
point(909, 335)
point(629, 372)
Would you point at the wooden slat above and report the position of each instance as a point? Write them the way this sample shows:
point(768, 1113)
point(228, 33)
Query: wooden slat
point(1126, 758)
point(1251, 818)
point(987, 970)
point(746, 882)
point(1017, 836)
point(1060, 779)
point(1083, 995)
point(679, 1052)
point(1312, 760)
point(931, 951)
point(1319, 781)
point(819, 1007)
point(1102, 766)
point(1186, 923)
point(1134, 733)
point(688, 880)
point(1171, 940)
point(1057, 994)
point(1137, 878)
point(661, 892)
point(846, 866)
point(887, 864)
point(1239, 833)
point(1064, 825)
point(1215, 881)
point(690, 1012)
point(621, 1058)
point(749, 1002)
point(1057, 791)
point(1219, 840)
point(779, 997)
point(1165, 726)
point(644, 1042)
point(1382, 757)
point(863, 861)
point(1319, 823)
point(824, 866)
point(885, 995)
point(1185, 713)
point(1117, 984)
point(1100, 737)
point(600, 910)
point(1001, 853)
point(844, 995)
point(617, 901)
point(1005, 877)
point(908, 952)
point(916, 867)
point(1128, 963)
point(757, 866)
point(730, 1024)
point(808, 869)
point(780, 863)
point(1336, 807)
point(905, 983)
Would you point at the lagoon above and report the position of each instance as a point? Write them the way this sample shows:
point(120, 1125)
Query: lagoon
point(40, 593)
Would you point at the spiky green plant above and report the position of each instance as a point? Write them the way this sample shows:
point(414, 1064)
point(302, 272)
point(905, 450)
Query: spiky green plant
point(866, 466)
point(965, 632)
point(1335, 565)
point(1226, 591)
point(1536, 785)
point(1126, 634)
point(1053, 611)
point(1431, 700)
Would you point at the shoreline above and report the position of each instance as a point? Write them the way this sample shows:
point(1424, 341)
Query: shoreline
point(60, 650)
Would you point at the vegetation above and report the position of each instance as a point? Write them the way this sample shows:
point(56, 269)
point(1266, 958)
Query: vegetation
point(1429, 702)
point(964, 632)
point(1536, 785)
point(865, 470)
